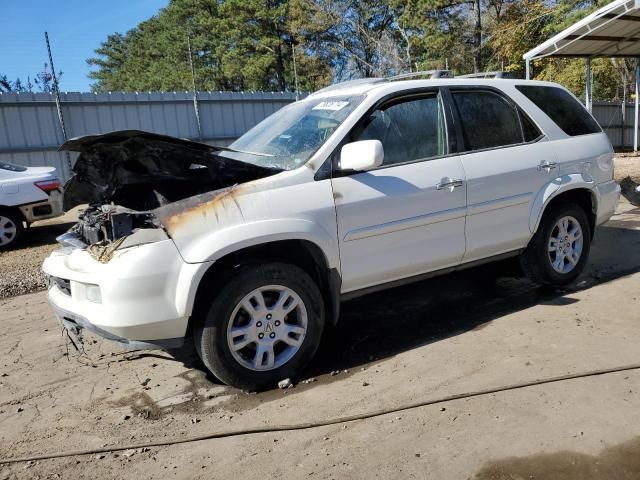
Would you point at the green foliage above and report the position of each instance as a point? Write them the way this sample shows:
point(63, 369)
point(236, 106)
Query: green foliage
point(250, 44)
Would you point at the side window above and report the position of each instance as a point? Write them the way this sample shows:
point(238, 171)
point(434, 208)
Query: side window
point(562, 108)
point(408, 129)
point(488, 120)
point(529, 129)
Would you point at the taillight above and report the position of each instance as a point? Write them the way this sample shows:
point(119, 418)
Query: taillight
point(48, 186)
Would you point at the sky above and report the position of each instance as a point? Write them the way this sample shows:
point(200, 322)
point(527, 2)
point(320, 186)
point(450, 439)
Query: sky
point(76, 28)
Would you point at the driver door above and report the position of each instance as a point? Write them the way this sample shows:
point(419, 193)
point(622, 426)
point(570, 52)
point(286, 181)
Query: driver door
point(407, 216)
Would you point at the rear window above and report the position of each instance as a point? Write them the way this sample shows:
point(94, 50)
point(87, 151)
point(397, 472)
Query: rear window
point(12, 168)
point(562, 108)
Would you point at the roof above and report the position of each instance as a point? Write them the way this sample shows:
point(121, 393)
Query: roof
point(612, 31)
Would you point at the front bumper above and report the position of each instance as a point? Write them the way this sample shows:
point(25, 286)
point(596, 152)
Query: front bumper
point(607, 196)
point(133, 299)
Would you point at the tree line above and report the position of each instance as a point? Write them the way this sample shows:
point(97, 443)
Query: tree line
point(41, 82)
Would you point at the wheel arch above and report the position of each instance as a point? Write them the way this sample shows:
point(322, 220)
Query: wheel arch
point(13, 209)
point(300, 252)
point(568, 189)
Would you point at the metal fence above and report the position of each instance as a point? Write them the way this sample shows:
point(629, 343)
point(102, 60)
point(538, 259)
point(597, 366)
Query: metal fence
point(619, 127)
point(30, 132)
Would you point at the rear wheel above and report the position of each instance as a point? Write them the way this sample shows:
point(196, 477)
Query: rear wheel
point(11, 228)
point(559, 250)
point(263, 326)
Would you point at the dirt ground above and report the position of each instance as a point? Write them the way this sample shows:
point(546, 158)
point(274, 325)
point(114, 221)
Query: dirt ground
point(627, 165)
point(472, 330)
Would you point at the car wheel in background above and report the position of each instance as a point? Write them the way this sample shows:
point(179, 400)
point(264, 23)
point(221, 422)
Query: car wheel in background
point(11, 228)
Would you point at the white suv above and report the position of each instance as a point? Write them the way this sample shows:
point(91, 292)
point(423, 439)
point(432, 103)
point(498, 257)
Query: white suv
point(250, 249)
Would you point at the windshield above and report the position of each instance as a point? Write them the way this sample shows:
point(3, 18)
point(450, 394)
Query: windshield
point(12, 168)
point(289, 137)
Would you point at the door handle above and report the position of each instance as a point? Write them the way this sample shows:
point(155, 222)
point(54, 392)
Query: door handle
point(546, 165)
point(449, 183)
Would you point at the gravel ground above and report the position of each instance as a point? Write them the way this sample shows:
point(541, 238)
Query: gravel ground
point(20, 268)
point(20, 271)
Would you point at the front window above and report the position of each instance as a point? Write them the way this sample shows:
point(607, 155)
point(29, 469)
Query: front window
point(288, 138)
point(409, 129)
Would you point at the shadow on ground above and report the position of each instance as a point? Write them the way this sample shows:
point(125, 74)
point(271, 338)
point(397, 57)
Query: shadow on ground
point(386, 323)
point(44, 234)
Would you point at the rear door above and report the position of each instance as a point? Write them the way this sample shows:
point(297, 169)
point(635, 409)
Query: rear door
point(586, 146)
point(407, 216)
point(506, 160)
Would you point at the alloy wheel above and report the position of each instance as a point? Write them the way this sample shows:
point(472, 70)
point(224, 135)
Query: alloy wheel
point(565, 244)
point(267, 328)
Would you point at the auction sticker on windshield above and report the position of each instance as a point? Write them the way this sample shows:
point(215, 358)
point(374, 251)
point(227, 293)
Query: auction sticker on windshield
point(331, 105)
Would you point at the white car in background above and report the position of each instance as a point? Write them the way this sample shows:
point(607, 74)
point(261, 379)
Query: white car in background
point(27, 194)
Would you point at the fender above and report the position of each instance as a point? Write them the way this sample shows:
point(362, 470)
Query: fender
point(219, 243)
point(234, 238)
point(556, 187)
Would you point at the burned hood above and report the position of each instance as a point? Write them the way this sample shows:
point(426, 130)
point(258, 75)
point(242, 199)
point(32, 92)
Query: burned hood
point(142, 170)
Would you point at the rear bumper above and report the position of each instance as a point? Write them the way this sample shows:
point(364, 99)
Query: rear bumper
point(607, 196)
point(49, 208)
point(131, 300)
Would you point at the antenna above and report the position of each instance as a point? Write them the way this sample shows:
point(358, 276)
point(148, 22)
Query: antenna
point(195, 92)
point(56, 91)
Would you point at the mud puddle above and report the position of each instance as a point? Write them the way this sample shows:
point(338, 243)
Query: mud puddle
point(620, 462)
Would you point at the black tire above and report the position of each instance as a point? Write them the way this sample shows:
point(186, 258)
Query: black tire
point(15, 219)
point(535, 260)
point(210, 335)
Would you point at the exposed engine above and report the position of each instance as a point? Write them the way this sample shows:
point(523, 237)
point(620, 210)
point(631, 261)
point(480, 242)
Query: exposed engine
point(124, 176)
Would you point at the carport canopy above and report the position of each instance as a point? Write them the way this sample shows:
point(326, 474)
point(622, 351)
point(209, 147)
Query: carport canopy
point(612, 31)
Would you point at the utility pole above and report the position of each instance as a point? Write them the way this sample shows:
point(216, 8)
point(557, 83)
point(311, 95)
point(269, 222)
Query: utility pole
point(56, 92)
point(195, 92)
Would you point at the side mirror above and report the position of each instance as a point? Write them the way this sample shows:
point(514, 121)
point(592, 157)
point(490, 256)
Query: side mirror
point(361, 155)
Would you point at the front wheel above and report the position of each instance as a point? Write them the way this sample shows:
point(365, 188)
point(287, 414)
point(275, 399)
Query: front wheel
point(263, 326)
point(559, 249)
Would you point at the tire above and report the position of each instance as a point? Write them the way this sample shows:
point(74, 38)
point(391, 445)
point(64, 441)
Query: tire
point(569, 257)
point(288, 341)
point(11, 228)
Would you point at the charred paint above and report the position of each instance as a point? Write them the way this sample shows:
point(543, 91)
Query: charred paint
point(175, 216)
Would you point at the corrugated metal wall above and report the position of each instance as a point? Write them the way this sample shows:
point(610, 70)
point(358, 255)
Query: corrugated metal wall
point(609, 116)
point(30, 133)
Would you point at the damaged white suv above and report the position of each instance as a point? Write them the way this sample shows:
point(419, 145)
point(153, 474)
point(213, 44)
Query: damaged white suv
point(361, 186)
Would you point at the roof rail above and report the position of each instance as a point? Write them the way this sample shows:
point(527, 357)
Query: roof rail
point(422, 73)
point(376, 80)
point(350, 83)
point(496, 74)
